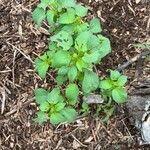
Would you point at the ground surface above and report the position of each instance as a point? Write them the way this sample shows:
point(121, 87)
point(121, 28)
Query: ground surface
point(123, 21)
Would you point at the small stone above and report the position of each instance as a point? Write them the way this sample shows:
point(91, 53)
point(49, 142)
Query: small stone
point(93, 99)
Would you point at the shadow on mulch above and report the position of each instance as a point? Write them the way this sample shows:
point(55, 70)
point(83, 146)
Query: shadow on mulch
point(124, 22)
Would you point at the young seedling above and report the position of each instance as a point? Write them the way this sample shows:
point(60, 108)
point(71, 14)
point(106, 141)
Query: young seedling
point(113, 87)
point(53, 107)
point(72, 54)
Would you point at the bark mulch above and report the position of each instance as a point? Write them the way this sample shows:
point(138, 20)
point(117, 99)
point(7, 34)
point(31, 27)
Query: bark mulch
point(123, 21)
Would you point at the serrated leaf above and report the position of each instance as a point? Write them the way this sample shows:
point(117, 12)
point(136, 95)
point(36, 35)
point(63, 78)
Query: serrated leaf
point(41, 117)
point(40, 95)
point(42, 65)
point(50, 17)
point(90, 82)
point(105, 84)
point(61, 79)
point(94, 44)
point(44, 4)
point(82, 27)
point(81, 11)
point(85, 107)
point(95, 26)
point(72, 92)
point(81, 41)
point(72, 73)
point(67, 17)
point(67, 3)
point(119, 95)
point(59, 106)
point(63, 39)
point(80, 64)
point(61, 58)
point(53, 47)
point(122, 80)
point(44, 106)
point(63, 71)
point(114, 74)
point(70, 28)
point(38, 15)
point(53, 96)
point(104, 47)
point(93, 57)
point(57, 118)
point(69, 113)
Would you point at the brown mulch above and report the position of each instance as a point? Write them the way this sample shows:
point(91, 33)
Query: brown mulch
point(123, 21)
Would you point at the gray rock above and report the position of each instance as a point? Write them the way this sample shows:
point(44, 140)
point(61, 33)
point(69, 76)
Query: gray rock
point(139, 109)
point(93, 99)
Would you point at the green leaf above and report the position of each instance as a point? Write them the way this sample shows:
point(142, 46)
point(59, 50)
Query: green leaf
point(72, 92)
point(95, 26)
point(63, 39)
point(104, 47)
point(72, 73)
point(82, 27)
point(56, 118)
point(53, 96)
point(38, 15)
point(50, 17)
point(40, 95)
point(85, 107)
point(81, 11)
point(119, 95)
point(93, 57)
point(41, 117)
point(44, 106)
point(69, 113)
point(53, 47)
point(94, 44)
point(80, 64)
point(63, 71)
point(81, 41)
point(90, 82)
point(106, 84)
point(114, 74)
point(67, 17)
point(42, 65)
point(70, 28)
point(44, 4)
point(61, 79)
point(59, 106)
point(61, 58)
point(122, 80)
point(67, 3)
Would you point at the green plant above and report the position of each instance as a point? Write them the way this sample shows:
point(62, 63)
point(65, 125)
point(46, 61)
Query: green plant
point(72, 54)
point(113, 87)
point(54, 107)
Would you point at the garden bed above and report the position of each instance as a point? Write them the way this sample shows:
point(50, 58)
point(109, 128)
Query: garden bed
point(124, 22)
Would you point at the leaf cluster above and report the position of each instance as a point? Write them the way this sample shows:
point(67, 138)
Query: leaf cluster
point(113, 87)
point(74, 46)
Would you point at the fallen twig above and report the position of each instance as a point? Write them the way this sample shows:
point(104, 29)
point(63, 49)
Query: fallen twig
point(27, 57)
point(132, 60)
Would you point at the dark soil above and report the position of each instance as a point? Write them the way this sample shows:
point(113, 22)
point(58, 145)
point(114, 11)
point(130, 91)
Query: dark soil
point(123, 21)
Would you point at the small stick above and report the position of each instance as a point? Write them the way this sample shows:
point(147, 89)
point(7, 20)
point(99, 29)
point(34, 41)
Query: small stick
point(78, 141)
point(2, 90)
point(20, 52)
point(132, 60)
